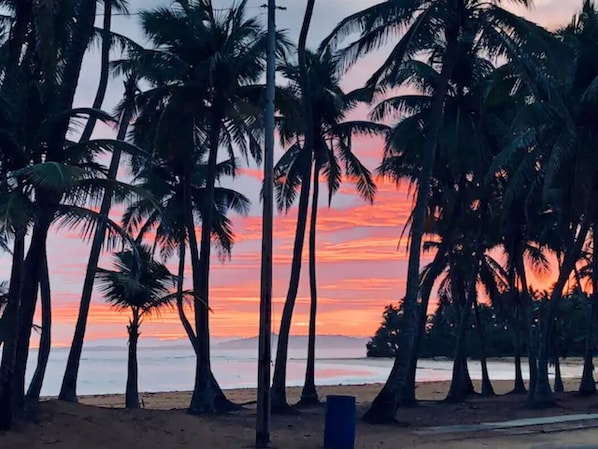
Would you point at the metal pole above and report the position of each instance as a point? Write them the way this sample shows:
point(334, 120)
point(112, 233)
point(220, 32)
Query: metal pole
point(262, 431)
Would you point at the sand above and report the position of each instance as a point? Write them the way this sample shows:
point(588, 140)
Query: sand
point(100, 422)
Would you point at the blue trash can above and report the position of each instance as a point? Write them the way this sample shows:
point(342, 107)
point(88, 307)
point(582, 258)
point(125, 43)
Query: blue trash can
point(339, 428)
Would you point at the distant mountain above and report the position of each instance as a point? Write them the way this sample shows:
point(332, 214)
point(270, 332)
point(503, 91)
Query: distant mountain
point(145, 343)
point(297, 342)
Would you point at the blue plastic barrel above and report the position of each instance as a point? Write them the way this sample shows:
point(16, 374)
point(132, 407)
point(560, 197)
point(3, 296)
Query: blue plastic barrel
point(339, 428)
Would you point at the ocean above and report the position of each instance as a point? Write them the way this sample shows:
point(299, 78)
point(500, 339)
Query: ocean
point(170, 366)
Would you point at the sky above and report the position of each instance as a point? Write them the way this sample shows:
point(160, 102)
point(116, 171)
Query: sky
point(361, 266)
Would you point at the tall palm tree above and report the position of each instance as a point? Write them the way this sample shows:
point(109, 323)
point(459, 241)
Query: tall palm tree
point(203, 74)
point(447, 29)
point(333, 157)
point(279, 393)
point(458, 193)
point(68, 389)
point(580, 35)
point(142, 286)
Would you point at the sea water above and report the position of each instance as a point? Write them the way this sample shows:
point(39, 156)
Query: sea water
point(168, 366)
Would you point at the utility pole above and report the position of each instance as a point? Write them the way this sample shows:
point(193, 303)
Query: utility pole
point(262, 429)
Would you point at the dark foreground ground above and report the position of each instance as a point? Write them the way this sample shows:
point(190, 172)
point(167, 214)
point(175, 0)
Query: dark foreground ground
point(99, 423)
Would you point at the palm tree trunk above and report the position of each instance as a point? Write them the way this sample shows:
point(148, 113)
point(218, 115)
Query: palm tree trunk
point(203, 398)
point(309, 395)
point(220, 396)
point(180, 300)
point(487, 389)
point(278, 391)
point(460, 381)
point(207, 395)
point(132, 390)
point(532, 356)
point(543, 394)
point(533, 375)
point(45, 344)
point(104, 70)
point(468, 387)
point(200, 400)
point(527, 303)
point(31, 271)
point(68, 390)
point(558, 379)
point(384, 406)
point(461, 385)
point(408, 397)
point(9, 348)
point(519, 385)
point(82, 33)
point(587, 386)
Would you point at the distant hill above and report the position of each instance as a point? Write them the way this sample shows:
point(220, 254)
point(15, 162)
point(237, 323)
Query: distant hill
point(145, 343)
point(298, 342)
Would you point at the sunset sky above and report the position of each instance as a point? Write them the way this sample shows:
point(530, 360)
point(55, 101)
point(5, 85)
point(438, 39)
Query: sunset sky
point(360, 266)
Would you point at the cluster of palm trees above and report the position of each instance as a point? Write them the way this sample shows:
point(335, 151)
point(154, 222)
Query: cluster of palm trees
point(495, 133)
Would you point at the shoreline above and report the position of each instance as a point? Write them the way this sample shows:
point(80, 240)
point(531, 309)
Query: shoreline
point(424, 385)
point(236, 375)
point(426, 391)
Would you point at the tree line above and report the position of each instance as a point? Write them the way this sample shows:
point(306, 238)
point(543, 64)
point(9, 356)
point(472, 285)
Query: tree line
point(486, 115)
point(492, 336)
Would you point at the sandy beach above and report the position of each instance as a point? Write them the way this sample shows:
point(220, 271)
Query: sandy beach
point(100, 422)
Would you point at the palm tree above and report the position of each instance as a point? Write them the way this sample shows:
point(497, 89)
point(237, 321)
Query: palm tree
point(142, 286)
point(580, 35)
point(332, 157)
point(54, 177)
point(165, 216)
point(68, 390)
point(278, 392)
point(446, 29)
point(459, 196)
